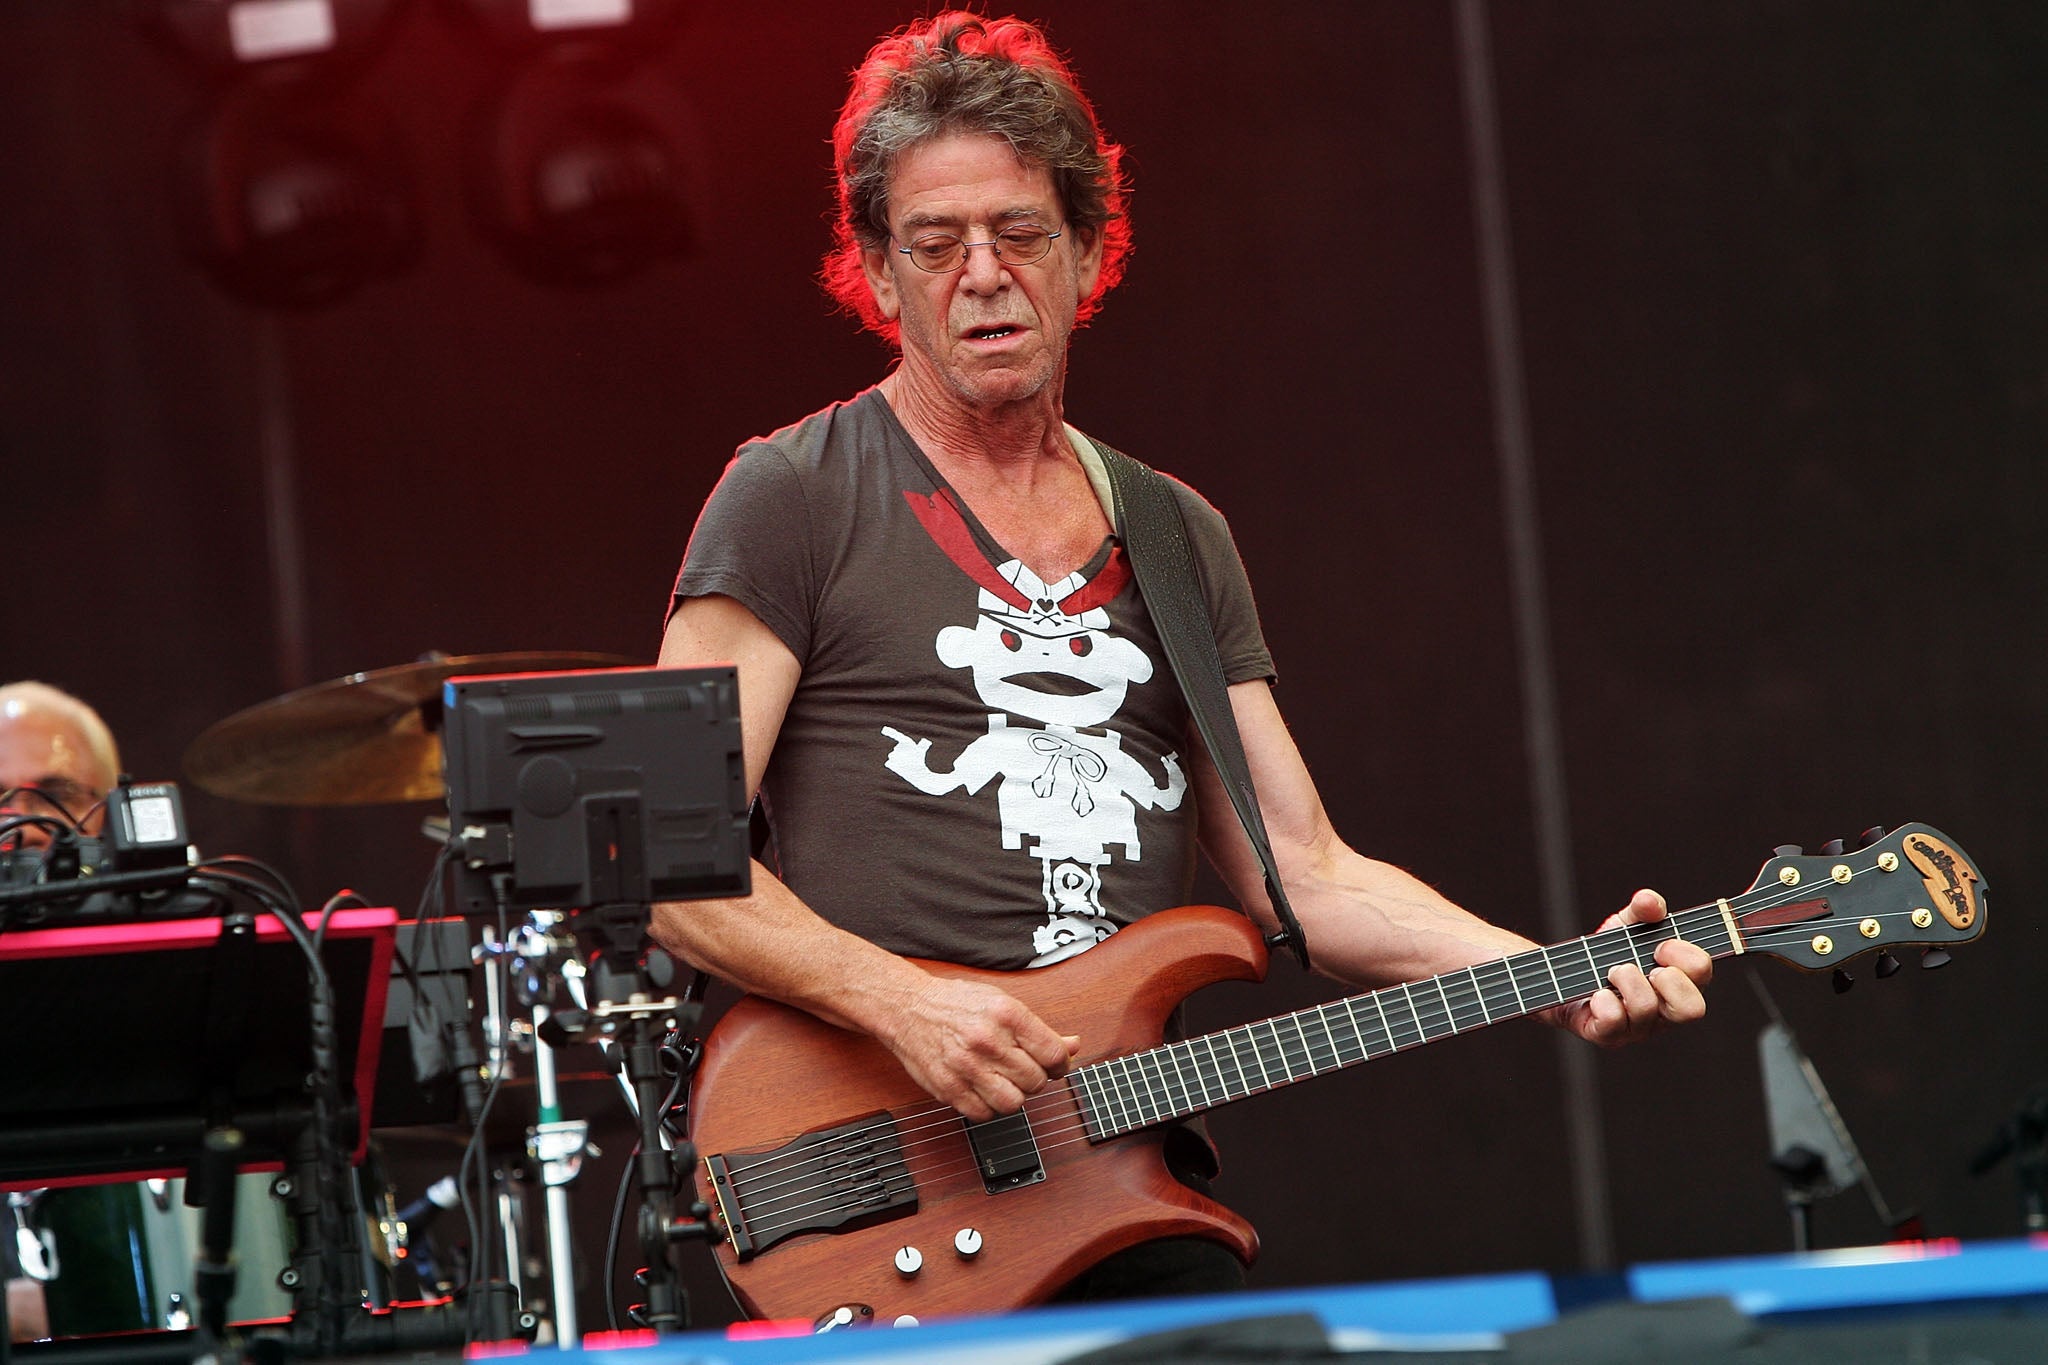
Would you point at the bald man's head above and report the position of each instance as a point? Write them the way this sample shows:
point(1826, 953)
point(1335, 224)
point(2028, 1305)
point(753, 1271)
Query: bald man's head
point(57, 758)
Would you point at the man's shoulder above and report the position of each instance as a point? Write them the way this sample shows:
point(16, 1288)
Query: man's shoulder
point(1192, 503)
point(833, 432)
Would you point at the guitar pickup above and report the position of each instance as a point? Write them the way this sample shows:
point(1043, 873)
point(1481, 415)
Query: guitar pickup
point(1006, 1151)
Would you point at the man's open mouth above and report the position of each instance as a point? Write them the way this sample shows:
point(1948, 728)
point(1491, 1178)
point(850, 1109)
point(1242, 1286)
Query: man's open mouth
point(1056, 684)
point(991, 332)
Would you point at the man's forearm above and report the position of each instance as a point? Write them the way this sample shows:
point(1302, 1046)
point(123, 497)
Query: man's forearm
point(770, 943)
point(1371, 924)
point(968, 1043)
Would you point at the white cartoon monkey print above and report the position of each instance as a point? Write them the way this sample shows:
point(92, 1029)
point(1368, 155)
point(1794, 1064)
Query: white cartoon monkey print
point(1069, 793)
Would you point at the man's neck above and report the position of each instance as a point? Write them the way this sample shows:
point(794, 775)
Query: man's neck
point(1007, 443)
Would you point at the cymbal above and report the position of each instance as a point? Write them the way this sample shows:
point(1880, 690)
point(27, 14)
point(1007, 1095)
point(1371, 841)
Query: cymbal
point(356, 741)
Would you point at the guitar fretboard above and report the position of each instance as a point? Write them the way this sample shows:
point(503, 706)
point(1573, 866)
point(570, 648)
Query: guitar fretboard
point(1122, 1094)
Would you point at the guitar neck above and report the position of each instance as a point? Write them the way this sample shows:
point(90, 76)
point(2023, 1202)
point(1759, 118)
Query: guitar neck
point(1123, 1094)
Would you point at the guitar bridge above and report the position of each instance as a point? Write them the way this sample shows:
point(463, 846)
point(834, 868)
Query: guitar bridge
point(831, 1180)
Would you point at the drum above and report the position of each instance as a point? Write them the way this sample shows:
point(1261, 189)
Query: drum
point(124, 1255)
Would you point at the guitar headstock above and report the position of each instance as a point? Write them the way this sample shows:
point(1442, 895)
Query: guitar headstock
point(1911, 886)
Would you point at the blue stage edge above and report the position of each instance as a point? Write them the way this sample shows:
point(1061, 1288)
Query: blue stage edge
point(1457, 1315)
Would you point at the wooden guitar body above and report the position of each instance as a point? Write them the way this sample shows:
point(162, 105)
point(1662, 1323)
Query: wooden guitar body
point(771, 1073)
point(836, 1182)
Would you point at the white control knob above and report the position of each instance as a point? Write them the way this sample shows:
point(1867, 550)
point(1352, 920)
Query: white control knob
point(967, 1241)
point(907, 1320)
point(909, 1260)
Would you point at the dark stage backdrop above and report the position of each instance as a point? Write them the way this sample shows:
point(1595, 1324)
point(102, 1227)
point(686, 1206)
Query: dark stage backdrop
point(1783, 291)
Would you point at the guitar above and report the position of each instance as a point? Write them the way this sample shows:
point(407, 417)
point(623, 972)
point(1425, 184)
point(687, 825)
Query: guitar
point(836, 1185)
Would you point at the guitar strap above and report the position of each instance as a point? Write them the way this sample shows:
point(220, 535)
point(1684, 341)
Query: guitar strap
point(1155, 540)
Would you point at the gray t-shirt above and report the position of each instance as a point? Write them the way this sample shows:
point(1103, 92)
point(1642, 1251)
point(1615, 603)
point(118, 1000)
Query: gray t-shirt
point(976, 766)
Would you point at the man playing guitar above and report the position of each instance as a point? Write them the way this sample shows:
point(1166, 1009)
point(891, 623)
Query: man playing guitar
point(944, 662)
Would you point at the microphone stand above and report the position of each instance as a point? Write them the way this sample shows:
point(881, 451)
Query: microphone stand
point(632, 1002)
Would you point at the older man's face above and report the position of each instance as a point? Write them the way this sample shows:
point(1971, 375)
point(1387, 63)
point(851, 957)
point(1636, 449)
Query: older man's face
point(987, 332)
point(47, 752)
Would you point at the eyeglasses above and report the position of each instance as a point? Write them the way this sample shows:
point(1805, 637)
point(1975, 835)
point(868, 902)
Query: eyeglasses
point(942, 252)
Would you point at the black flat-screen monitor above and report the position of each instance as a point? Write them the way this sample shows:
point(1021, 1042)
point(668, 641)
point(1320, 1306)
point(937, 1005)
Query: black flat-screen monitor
point(618, 786)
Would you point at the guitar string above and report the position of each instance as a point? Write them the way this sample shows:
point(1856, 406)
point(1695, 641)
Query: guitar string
point(1057, 1137)
point(945, 1119)
point(931, 1178)
point(1626, 946)
point(944, 1115)
point(1159, 1087)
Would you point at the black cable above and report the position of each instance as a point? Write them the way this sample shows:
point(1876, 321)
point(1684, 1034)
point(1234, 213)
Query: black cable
point(476, 1274)
point(49, 822)
point(682, 1062)
point(481, 1247)
point(424, 914)
point(90, 811)
point(241, 865)
point(269, 888)
point(335, 902)
point(47, 799)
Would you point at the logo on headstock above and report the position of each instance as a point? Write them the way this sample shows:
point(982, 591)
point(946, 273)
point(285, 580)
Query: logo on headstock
point(1949, 878)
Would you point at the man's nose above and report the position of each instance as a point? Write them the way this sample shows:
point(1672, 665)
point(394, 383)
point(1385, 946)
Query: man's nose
point(983, 271)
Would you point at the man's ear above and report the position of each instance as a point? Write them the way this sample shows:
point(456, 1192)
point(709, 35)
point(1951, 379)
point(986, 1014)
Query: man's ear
point(874, 263)
point(1088, 264)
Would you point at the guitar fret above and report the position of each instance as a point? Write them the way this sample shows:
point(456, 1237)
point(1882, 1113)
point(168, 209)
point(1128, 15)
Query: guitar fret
point(1635, 952)
point(1532, 992)
point(1214, 1068)
point(1273, 1047)
point(1321, 1045)
point(1161, 1084)
point(1326, 1039)
point(1499, 970)
point(1414, 1025)
point(1592, 965)
point(1115, 1117)
point(1244, 1087)
point(1176, 1083)
point(1190, 1065)
point(1428, 1022)
point(1092, 1097)
point(1338, 1036)
point(1470, 997)
point(1294, 1069)
point(1133, 1092)
point(1096, 1102)
point(1230, 1091)
point(1157, 1099)
point(1184, 1066)
point(1239, 1040)
point(1456, 1009)
point(1386, 1043)
point(1259, 1057)
point(1207, 1072)
point(1308, 1047)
